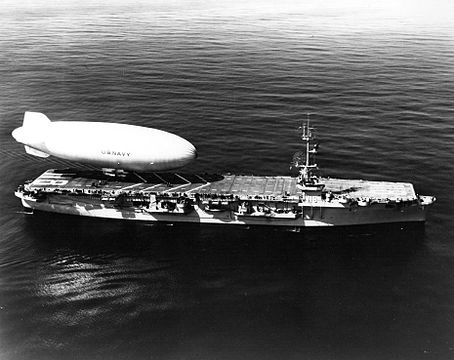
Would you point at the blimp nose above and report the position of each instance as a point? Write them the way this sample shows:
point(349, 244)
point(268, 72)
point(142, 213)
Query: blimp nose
point(193, 152)
point(181, 151)
point(188, 150)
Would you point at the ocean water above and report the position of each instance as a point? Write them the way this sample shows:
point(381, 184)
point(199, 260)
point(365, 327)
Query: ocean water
point(235, 79)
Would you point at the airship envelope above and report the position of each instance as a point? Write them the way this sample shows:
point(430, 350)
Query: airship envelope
point(107, 145)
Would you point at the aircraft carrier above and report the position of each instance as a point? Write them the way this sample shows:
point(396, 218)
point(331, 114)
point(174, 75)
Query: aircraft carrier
point(306, 200)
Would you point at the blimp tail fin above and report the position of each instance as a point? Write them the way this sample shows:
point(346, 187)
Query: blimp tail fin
point(35, 152)
point(34, 120)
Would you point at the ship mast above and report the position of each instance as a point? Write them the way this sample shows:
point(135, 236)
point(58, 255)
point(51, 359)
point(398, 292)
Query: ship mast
point(306, 179)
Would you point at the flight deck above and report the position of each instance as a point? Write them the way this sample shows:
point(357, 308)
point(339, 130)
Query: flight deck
point(243, 186)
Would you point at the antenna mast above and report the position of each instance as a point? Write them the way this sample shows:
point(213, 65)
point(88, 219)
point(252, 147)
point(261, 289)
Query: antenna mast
point(302, 160)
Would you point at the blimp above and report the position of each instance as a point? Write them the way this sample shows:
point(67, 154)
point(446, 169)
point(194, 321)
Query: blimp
point(105, 145)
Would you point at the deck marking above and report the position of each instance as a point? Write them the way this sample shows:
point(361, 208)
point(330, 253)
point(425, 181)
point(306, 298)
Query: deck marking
point(151, 187)
point(199, 187)
point(275, 186)
point(229, 190)
point(130, 186)
point(176, 187)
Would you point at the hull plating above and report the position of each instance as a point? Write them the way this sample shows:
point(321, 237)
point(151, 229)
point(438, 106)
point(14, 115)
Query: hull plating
point(311, 216)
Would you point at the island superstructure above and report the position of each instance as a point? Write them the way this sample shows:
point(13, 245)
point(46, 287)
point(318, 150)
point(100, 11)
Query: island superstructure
point(305, 200)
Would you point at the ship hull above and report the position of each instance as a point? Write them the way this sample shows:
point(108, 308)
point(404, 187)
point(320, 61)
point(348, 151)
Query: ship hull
point(311, 216)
